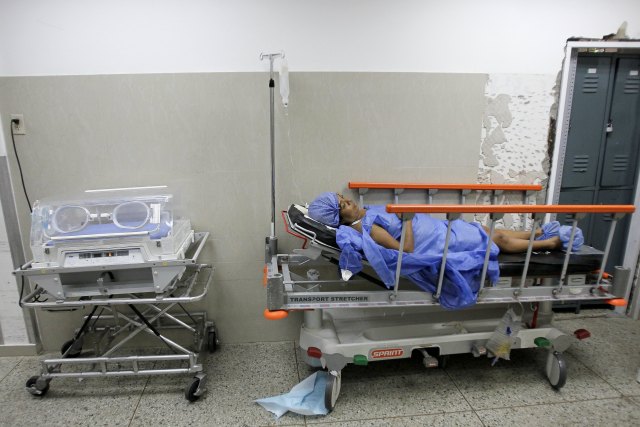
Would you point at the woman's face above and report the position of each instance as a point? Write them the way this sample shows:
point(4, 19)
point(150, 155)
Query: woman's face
point(348, 209)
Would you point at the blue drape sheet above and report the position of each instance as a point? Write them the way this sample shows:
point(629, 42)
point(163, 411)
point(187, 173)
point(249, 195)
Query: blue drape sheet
point(465, 257)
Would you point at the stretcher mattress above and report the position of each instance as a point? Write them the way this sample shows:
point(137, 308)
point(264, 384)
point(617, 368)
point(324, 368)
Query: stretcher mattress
point(542, 264)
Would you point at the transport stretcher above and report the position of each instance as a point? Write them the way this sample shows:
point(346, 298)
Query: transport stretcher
point(360, 323)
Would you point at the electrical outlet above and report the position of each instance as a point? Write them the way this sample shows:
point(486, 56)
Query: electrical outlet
point(19, 128)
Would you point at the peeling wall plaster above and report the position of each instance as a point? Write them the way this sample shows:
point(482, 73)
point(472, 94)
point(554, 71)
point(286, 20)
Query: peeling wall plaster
point(515, 127)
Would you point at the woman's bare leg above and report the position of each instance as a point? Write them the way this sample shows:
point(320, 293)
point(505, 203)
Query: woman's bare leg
point(520, 234)
point(514, 245)
point(516, 234)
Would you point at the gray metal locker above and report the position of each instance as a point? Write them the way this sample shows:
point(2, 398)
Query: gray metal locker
point(601, 158)
point(601, 223)
point(587, 125)
point(620, 166)
point(577, 197)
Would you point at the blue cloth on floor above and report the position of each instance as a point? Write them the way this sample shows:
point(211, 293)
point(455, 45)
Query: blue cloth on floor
point(306, 398)
point(465, 257)
point(553, 228)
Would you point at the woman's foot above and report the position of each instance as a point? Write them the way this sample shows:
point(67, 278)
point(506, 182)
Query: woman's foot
point(555, 242)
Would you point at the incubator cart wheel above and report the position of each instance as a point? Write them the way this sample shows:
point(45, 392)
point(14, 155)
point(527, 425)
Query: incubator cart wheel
point(556, 370)
point(37, 386)
point(212, 340)
point(192, 388)
point(332, 390)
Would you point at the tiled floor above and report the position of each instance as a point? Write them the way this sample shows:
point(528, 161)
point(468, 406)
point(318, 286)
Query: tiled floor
point(601, 388)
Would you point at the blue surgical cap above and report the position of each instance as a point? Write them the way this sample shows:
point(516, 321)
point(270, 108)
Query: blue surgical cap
point(325, 209)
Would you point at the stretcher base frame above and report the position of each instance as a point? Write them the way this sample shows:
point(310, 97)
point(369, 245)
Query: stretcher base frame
point(330, 342)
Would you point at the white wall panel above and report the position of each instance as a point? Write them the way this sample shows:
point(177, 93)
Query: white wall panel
point(67, 37)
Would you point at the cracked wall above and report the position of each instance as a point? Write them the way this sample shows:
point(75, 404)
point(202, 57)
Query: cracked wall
point(514, 147)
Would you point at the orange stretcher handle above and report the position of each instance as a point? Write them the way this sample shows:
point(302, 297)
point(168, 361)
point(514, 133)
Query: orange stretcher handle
point(405, 208)
point(605, 275)
point(426, 186)
point(275, 314)
point(617, 302)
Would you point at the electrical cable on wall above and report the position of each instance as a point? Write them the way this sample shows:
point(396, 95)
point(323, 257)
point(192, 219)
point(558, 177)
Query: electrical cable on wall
point(16, 122)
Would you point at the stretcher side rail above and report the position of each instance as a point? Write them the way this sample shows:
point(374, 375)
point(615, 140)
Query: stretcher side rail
point(495, 212)
point(569, 209)
point(286, 292)
point(433, 188)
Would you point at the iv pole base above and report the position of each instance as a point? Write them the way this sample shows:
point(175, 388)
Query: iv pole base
point(270, 248)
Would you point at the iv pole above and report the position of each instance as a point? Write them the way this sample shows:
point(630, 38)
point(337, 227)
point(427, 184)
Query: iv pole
point(271, 242)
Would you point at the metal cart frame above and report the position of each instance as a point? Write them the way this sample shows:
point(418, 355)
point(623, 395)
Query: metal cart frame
point(116, 318)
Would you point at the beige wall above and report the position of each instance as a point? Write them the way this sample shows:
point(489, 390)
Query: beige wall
point(207, 137)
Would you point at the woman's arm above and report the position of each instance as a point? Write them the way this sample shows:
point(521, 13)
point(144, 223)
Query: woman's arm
point(383, 238)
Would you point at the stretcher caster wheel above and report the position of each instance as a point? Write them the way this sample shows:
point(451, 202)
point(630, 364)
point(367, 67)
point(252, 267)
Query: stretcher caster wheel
point(332, 390)
point(190, 391)
point(556, 370)
point(74, 348)
point(37, 386)
point(196, 388)
point(212, 340)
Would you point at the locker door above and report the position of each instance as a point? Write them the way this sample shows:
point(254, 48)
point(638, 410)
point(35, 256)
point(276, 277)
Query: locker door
point(577, 197)
point(586, 128)
point(619, 168)
point(601, 224)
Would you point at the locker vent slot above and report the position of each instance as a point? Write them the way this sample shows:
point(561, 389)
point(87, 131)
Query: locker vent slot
point(607, 217)
point(620, 163)
point(632, 85)
point(580, 163)
point(590, 84)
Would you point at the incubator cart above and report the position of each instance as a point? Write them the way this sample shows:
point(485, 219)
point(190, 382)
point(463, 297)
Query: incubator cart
point(125, 258)
point(353, 323)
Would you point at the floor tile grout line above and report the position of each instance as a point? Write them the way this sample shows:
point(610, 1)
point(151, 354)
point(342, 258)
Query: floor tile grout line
point(594, 372)
point(433, 414)
point(633, 399)
point(554, 403)
point(549, 403)
point(133, 415)
point(295, 357)
point(463, 396)
point(12, 369)
point(622, 394)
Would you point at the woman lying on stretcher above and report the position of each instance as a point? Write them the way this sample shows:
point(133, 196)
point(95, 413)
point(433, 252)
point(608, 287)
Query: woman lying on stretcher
point(374, 233)
point(334, 209)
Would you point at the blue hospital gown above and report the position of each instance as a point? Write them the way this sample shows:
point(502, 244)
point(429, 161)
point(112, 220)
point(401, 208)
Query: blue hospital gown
point(467, 248)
